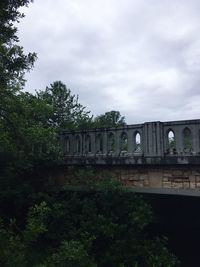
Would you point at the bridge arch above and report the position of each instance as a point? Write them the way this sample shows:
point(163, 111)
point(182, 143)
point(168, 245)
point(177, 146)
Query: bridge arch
point(137, 142)
point(111, 143)
point(123, 142)
point(88, 144)
point(187, 139)
point(99, 143)
point(156, 141)
point(78, 144)
point(171, 141)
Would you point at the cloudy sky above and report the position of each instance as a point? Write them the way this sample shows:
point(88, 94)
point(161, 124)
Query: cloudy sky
point(141, 57)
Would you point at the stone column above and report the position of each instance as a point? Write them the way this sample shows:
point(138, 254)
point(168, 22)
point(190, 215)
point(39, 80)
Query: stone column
point(179, 139)
point(83, 143)
point(117, 141)
point(93, 142)
point(130, 140)
point(153, 139)
point(195, 139)
point(105, 141)
point(72, 144)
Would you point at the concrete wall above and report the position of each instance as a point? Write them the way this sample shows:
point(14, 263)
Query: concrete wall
point(161, 143)
point(158, 179)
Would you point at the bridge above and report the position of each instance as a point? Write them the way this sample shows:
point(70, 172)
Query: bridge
point(152, 157)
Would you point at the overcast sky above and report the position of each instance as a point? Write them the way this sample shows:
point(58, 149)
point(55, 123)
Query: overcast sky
point(141, 57)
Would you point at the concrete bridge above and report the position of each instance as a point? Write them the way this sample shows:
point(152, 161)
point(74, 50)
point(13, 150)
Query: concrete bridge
point(153, 156)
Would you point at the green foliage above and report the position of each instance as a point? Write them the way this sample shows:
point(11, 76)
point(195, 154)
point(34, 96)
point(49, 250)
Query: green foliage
point(11, 247)
point(172, 143)
point(14, 62)
point(70, 253)
point(66, 111)
point(95, 228)
point(37, 221)
point(109, 119)
point(26, 140)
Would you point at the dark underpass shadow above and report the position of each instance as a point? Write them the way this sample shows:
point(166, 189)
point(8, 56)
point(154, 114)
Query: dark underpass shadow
point(178, 218)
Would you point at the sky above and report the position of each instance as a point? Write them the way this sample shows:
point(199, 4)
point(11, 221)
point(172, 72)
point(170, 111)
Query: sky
point(140, 57)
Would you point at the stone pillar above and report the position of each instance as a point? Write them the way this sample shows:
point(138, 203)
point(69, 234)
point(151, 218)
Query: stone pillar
point(153, 139)
point(105, 141)
point(195, 139)
point(117, 141)
point(130, 141)
point(179, 139)
point(83, 143)
point(93, 142)
point(72, 144)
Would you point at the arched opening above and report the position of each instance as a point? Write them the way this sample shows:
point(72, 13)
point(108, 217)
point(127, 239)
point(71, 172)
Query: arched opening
point(171, 143)
point(187, 139)
point(78, 144)
point(99, 143)
point(137, 142)
point(111, 142)
point(88, 144)
point(124, 142)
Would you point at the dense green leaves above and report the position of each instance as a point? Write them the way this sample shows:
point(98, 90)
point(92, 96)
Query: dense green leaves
point(66, 111)
point(13, 64)
point(102, 228)
point(109, 119)
point(13, 61)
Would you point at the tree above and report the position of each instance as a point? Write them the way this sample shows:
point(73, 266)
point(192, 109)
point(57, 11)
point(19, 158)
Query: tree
point(109, 119)
point(96, 228)
point(24, 136)
point(13, 65)
point(66, 111)
point(13, 61)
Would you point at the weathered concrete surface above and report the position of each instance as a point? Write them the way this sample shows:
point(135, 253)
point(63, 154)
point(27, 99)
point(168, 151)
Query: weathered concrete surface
point(150, 179)
point(150, 143)
point(152, 156)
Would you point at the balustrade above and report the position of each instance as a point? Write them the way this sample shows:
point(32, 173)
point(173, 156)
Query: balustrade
point(149, 140)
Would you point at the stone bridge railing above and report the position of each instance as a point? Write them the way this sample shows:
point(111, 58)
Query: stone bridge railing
point(175, 142)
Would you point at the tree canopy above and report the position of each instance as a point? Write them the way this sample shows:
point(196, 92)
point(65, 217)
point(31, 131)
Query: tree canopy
point(66, 111)
point(109, 119)
point(96, 228)
point(13, 61)
point(13, 65)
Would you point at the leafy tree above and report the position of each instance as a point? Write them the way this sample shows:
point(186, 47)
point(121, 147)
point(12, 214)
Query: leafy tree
point(25, 136)
point(99, 228)
point(109, 119)
point(70, 253)
point(13, 61)
point(26, 141)
point(13, 64)
point(66, 111)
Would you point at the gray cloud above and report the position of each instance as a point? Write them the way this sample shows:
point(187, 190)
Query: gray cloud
point(139, 57)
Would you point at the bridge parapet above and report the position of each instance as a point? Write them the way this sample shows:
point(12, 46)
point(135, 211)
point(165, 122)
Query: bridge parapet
point(174, 142)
